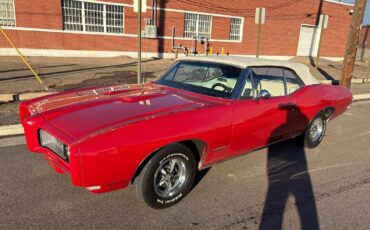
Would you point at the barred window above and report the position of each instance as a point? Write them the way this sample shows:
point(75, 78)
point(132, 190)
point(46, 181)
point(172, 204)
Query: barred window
point(7, 14)
point(72, 16)
point(197, 25)
point(114, 19)
point(235, 28)
point(92, 17)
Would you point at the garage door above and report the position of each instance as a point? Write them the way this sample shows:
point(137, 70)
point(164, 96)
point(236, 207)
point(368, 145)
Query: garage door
point(308, 39)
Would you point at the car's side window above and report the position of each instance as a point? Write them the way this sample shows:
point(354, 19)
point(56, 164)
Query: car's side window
point(248, 90)
point(292, 81)
point(270, 79)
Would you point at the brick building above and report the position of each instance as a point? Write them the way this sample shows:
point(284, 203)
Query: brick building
point(109, 27)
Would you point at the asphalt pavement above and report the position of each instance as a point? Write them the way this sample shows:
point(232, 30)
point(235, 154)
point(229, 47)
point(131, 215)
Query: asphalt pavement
point(282, 186)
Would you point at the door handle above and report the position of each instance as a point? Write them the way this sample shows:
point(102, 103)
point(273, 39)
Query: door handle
point(288, 106)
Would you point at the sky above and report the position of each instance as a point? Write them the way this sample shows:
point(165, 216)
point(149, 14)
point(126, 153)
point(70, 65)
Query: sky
point(367, 11)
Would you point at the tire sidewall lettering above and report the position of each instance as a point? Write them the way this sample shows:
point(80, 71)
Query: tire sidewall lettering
point(174, 155)
point(161, 201)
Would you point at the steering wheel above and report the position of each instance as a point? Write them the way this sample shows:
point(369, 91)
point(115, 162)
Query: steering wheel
point(226, 89)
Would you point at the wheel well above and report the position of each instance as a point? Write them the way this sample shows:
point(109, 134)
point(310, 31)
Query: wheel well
point(328, 112)
point(197, 147)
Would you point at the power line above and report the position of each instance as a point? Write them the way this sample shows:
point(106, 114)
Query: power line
point(210, 5)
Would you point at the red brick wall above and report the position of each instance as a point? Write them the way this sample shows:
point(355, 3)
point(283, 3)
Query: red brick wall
point(335, 36)
point(39, 14)
point(280, 33)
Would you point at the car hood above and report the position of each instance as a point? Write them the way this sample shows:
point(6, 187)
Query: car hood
point(82, 113)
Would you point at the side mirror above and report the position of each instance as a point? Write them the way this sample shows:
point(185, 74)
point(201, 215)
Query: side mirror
point(264, 94)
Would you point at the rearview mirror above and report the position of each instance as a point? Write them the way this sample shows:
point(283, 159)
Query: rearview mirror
point(264, 94)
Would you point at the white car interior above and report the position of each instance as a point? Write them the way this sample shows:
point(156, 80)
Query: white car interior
point(208, 76)
point(272, 80)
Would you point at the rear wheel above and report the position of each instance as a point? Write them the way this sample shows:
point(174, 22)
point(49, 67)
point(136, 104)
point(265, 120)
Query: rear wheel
point(315, 131)
point(167, 177)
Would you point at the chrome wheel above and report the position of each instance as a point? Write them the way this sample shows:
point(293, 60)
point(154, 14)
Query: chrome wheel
point(317, 129)
point(170, 177)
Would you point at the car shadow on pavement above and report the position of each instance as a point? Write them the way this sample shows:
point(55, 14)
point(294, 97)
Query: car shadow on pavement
point(288, 176)
point(199, 176)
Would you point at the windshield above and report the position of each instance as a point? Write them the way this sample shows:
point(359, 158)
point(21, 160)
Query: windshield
point(206, 78)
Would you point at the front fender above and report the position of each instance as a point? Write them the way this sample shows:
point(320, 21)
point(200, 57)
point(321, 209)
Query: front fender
point(115, 155)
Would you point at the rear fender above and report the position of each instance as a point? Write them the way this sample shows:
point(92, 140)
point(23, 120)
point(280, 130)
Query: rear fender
point(314, 99)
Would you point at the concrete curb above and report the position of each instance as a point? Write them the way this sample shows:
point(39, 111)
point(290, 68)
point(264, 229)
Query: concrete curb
point(353, 81)
point(28, 96)
point(6, 97)
point(358, 97)
point(21, 97)
point(12, 130)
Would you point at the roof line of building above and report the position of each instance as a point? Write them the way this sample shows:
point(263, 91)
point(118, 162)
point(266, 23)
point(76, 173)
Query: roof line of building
point(341, 3)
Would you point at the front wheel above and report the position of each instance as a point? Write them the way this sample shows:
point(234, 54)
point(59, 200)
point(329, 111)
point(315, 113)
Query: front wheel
point(315, 131)
point(167, 177)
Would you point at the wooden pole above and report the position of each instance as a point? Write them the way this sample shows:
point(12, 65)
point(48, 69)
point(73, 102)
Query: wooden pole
point(352, 42)
point(139, 81)
point(259, 33)
point(368, 71)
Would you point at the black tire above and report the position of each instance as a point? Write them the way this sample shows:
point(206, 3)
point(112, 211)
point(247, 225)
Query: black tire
point(310, 140)
point(147, 184)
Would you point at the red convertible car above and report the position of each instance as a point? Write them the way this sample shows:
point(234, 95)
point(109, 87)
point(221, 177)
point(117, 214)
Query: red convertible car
point(156, 136)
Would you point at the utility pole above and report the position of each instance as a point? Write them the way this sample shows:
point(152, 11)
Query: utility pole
point(352, 42)
point(139, 45)
point(368, 71)
point(259, 20)
point(259, 34)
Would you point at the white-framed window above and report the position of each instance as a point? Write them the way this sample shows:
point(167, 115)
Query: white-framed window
point(7, 13)
point(114, 19)
point(72, 15)
point(235, 28)
point(197, 25)
point(92, 17)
